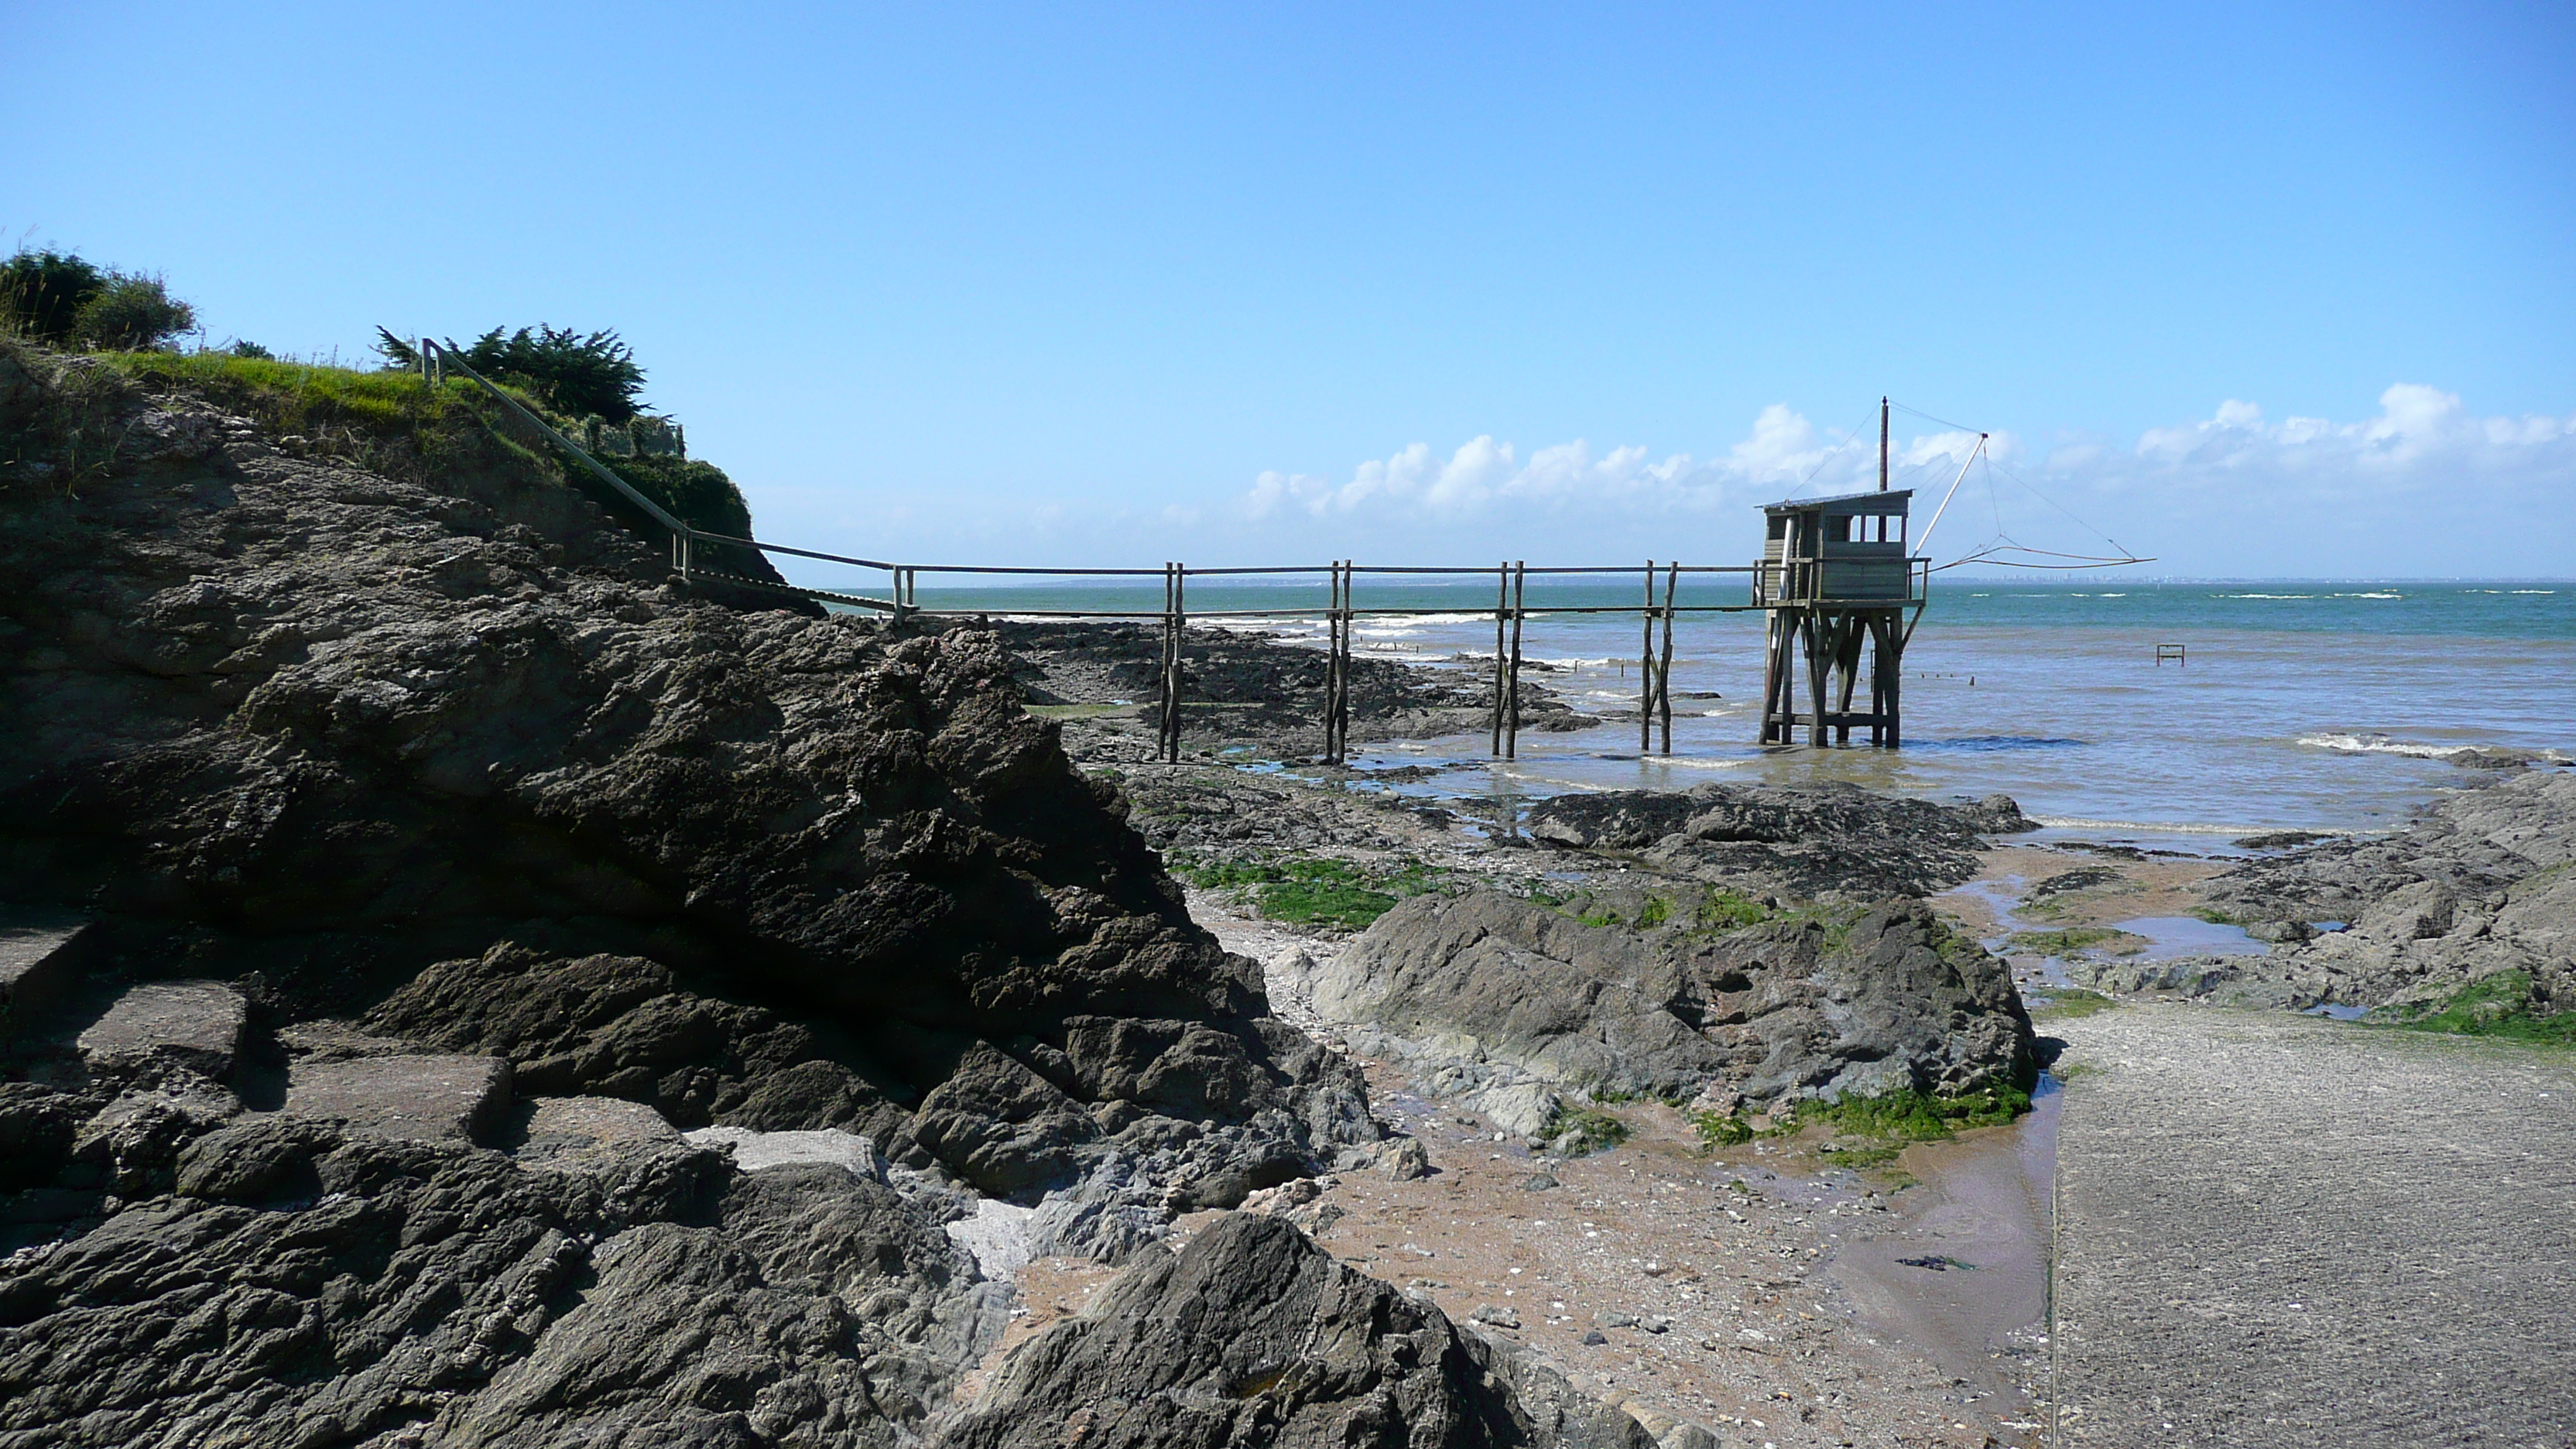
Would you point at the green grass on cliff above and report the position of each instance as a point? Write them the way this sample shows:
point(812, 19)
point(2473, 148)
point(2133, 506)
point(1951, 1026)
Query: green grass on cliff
point(2498, 1006)
point(297, 397)
point(392, 422)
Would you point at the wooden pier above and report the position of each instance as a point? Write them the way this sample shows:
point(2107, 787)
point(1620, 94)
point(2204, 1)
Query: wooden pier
point(1834, 578)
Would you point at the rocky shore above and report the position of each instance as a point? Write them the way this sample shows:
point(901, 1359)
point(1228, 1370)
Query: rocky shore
point(2464, 919)
point(462, 987)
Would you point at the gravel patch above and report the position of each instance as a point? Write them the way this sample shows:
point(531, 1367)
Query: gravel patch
point(2279, 1231)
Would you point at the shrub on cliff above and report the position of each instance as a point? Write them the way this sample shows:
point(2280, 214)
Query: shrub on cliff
point(698, 492)
point(132, 314)
point(572, 373)
point(57, 298)
point(41, 294)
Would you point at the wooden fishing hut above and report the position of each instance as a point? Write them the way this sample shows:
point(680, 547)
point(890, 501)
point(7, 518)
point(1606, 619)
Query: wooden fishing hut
point(1836, 582)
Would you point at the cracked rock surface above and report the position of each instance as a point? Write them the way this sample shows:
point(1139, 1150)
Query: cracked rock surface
point(1792, 1008)
point(409, 747)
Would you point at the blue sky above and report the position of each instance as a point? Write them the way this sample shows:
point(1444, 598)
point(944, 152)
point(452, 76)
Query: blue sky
point(2259, 290)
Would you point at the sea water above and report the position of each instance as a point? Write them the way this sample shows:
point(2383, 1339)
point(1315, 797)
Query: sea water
point(2298, 705)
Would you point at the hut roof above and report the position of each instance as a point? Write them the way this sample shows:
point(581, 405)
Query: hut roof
point(1870, 504)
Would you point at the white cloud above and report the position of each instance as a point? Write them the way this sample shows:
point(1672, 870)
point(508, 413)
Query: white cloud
point(1783, 455)
point(2423, 486)
point(2423, 438)
point(2235, 492)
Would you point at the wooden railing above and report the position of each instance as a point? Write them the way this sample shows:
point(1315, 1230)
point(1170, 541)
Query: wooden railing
point(1775, 585)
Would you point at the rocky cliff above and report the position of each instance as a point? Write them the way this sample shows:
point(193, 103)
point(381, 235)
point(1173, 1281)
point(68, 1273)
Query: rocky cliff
point(492, 995)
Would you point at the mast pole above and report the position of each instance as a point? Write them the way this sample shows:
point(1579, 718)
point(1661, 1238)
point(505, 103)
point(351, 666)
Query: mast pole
point(1882, 445)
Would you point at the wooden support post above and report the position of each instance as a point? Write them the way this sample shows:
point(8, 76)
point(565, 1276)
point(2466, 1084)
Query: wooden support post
point(1817, 650)
point(1646, 667)
point(1664, 670)
point(1895, 670)
point(1342, 709)
point(1771, 672)
point(1848, 640)
point(1174, 613)
point(1512, 691)
point(1162, 671)
point(1502, 608)
point(1879, 679)
point(1337, 675)
point(1335, 711)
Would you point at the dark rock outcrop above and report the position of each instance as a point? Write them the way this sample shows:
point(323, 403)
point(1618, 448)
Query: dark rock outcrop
point(443, 1291)
point(438, 774)
point(1818, 840)
point(1252, 1335)
point(492, 833)
point(2482, 885)
point(450, 747)
point(1861, 1003)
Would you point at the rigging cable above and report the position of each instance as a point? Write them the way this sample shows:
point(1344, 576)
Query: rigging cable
point(2128, 555)
point(1927, 417)
point(1847, 440)
point(2053, 503)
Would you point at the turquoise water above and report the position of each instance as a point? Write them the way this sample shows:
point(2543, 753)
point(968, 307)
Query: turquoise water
point(2301, 704)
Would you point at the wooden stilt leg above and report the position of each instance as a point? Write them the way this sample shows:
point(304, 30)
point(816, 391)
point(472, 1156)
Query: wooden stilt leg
point(1512, 695)
point(1502, 607)
point(1165, 746)
point(1879, 682)
point(1817, 652)
point(1646, 668)
point(1664, 670)
point(1895, 710)
point(1846, 673)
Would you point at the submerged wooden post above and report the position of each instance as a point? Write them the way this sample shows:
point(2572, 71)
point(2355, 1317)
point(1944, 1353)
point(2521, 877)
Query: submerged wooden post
point(1664, 669)
point(1174, 617)
point(1337, 674)
point(1512, 693)
point(1502, 606)
point(1646, 667)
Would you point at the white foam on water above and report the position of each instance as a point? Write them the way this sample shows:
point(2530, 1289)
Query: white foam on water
point(2152, 827)
point(1416, 623)
point(2358, 744)
point(2532, 591)
point(2374, 595)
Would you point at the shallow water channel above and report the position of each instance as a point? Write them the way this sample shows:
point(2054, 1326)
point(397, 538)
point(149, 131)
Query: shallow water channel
point(1963, 1273)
